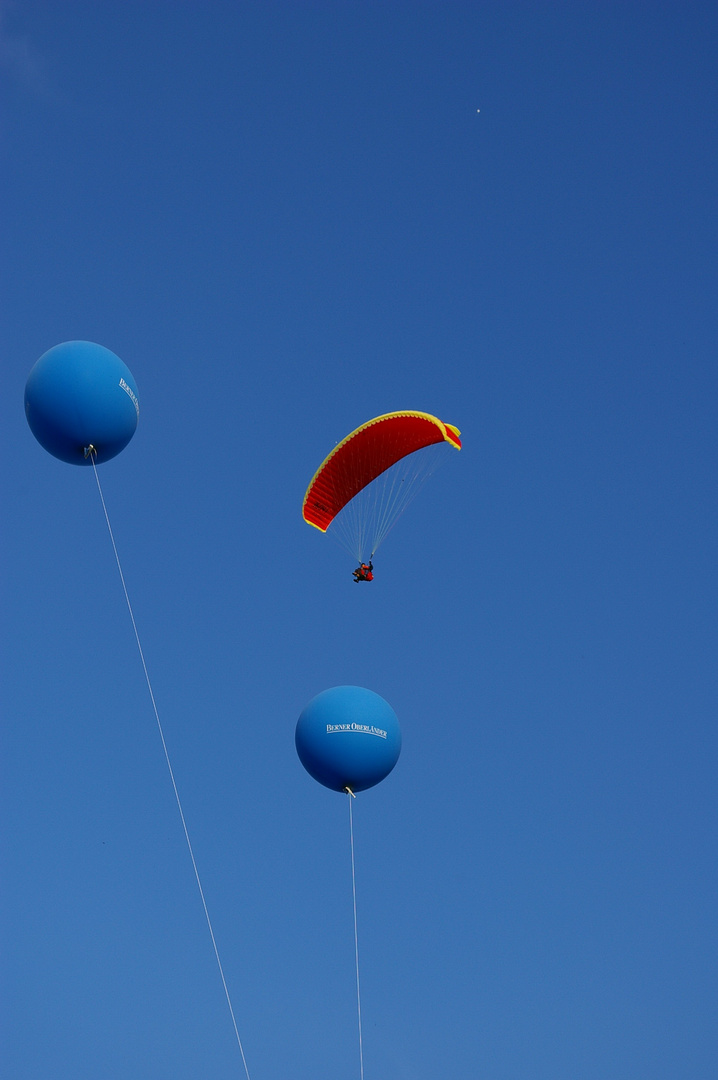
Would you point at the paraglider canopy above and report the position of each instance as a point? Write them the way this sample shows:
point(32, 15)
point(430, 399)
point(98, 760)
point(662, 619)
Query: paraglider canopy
point(81, 403)
point(367, 481)
point(348, 738)
point(366, 453)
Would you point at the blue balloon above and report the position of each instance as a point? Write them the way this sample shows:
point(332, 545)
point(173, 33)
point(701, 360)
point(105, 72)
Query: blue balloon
point(348, 737)
point(80, 395)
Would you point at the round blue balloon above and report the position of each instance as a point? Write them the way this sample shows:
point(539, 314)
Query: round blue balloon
point(348, 737)
point(80, 395)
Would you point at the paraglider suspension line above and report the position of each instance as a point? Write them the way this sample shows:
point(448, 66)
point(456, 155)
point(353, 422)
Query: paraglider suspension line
point(351, 796)
point(93, 454)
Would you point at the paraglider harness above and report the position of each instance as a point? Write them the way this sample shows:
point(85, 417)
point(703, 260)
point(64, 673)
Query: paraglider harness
point(364, 572)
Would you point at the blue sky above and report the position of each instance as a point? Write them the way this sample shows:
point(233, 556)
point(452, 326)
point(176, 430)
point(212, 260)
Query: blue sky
point(287, 218)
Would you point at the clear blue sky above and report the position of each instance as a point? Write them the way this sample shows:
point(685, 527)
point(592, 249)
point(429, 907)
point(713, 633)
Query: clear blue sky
point(287, 218)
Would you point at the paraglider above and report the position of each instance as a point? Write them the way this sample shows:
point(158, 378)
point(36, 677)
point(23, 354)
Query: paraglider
point(371, 476)
point(348, 738)
point(365, 572)
point(81, 403)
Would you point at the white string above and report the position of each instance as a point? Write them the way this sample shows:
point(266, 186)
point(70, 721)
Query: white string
point(350, 795)
point(92, 455)
point(367, 519)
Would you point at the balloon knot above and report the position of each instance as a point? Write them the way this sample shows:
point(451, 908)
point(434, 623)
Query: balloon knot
point(350, 792)
point(89, 450)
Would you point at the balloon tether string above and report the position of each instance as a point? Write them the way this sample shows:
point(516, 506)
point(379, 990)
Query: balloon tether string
point(351, 795)
point(92, 454)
